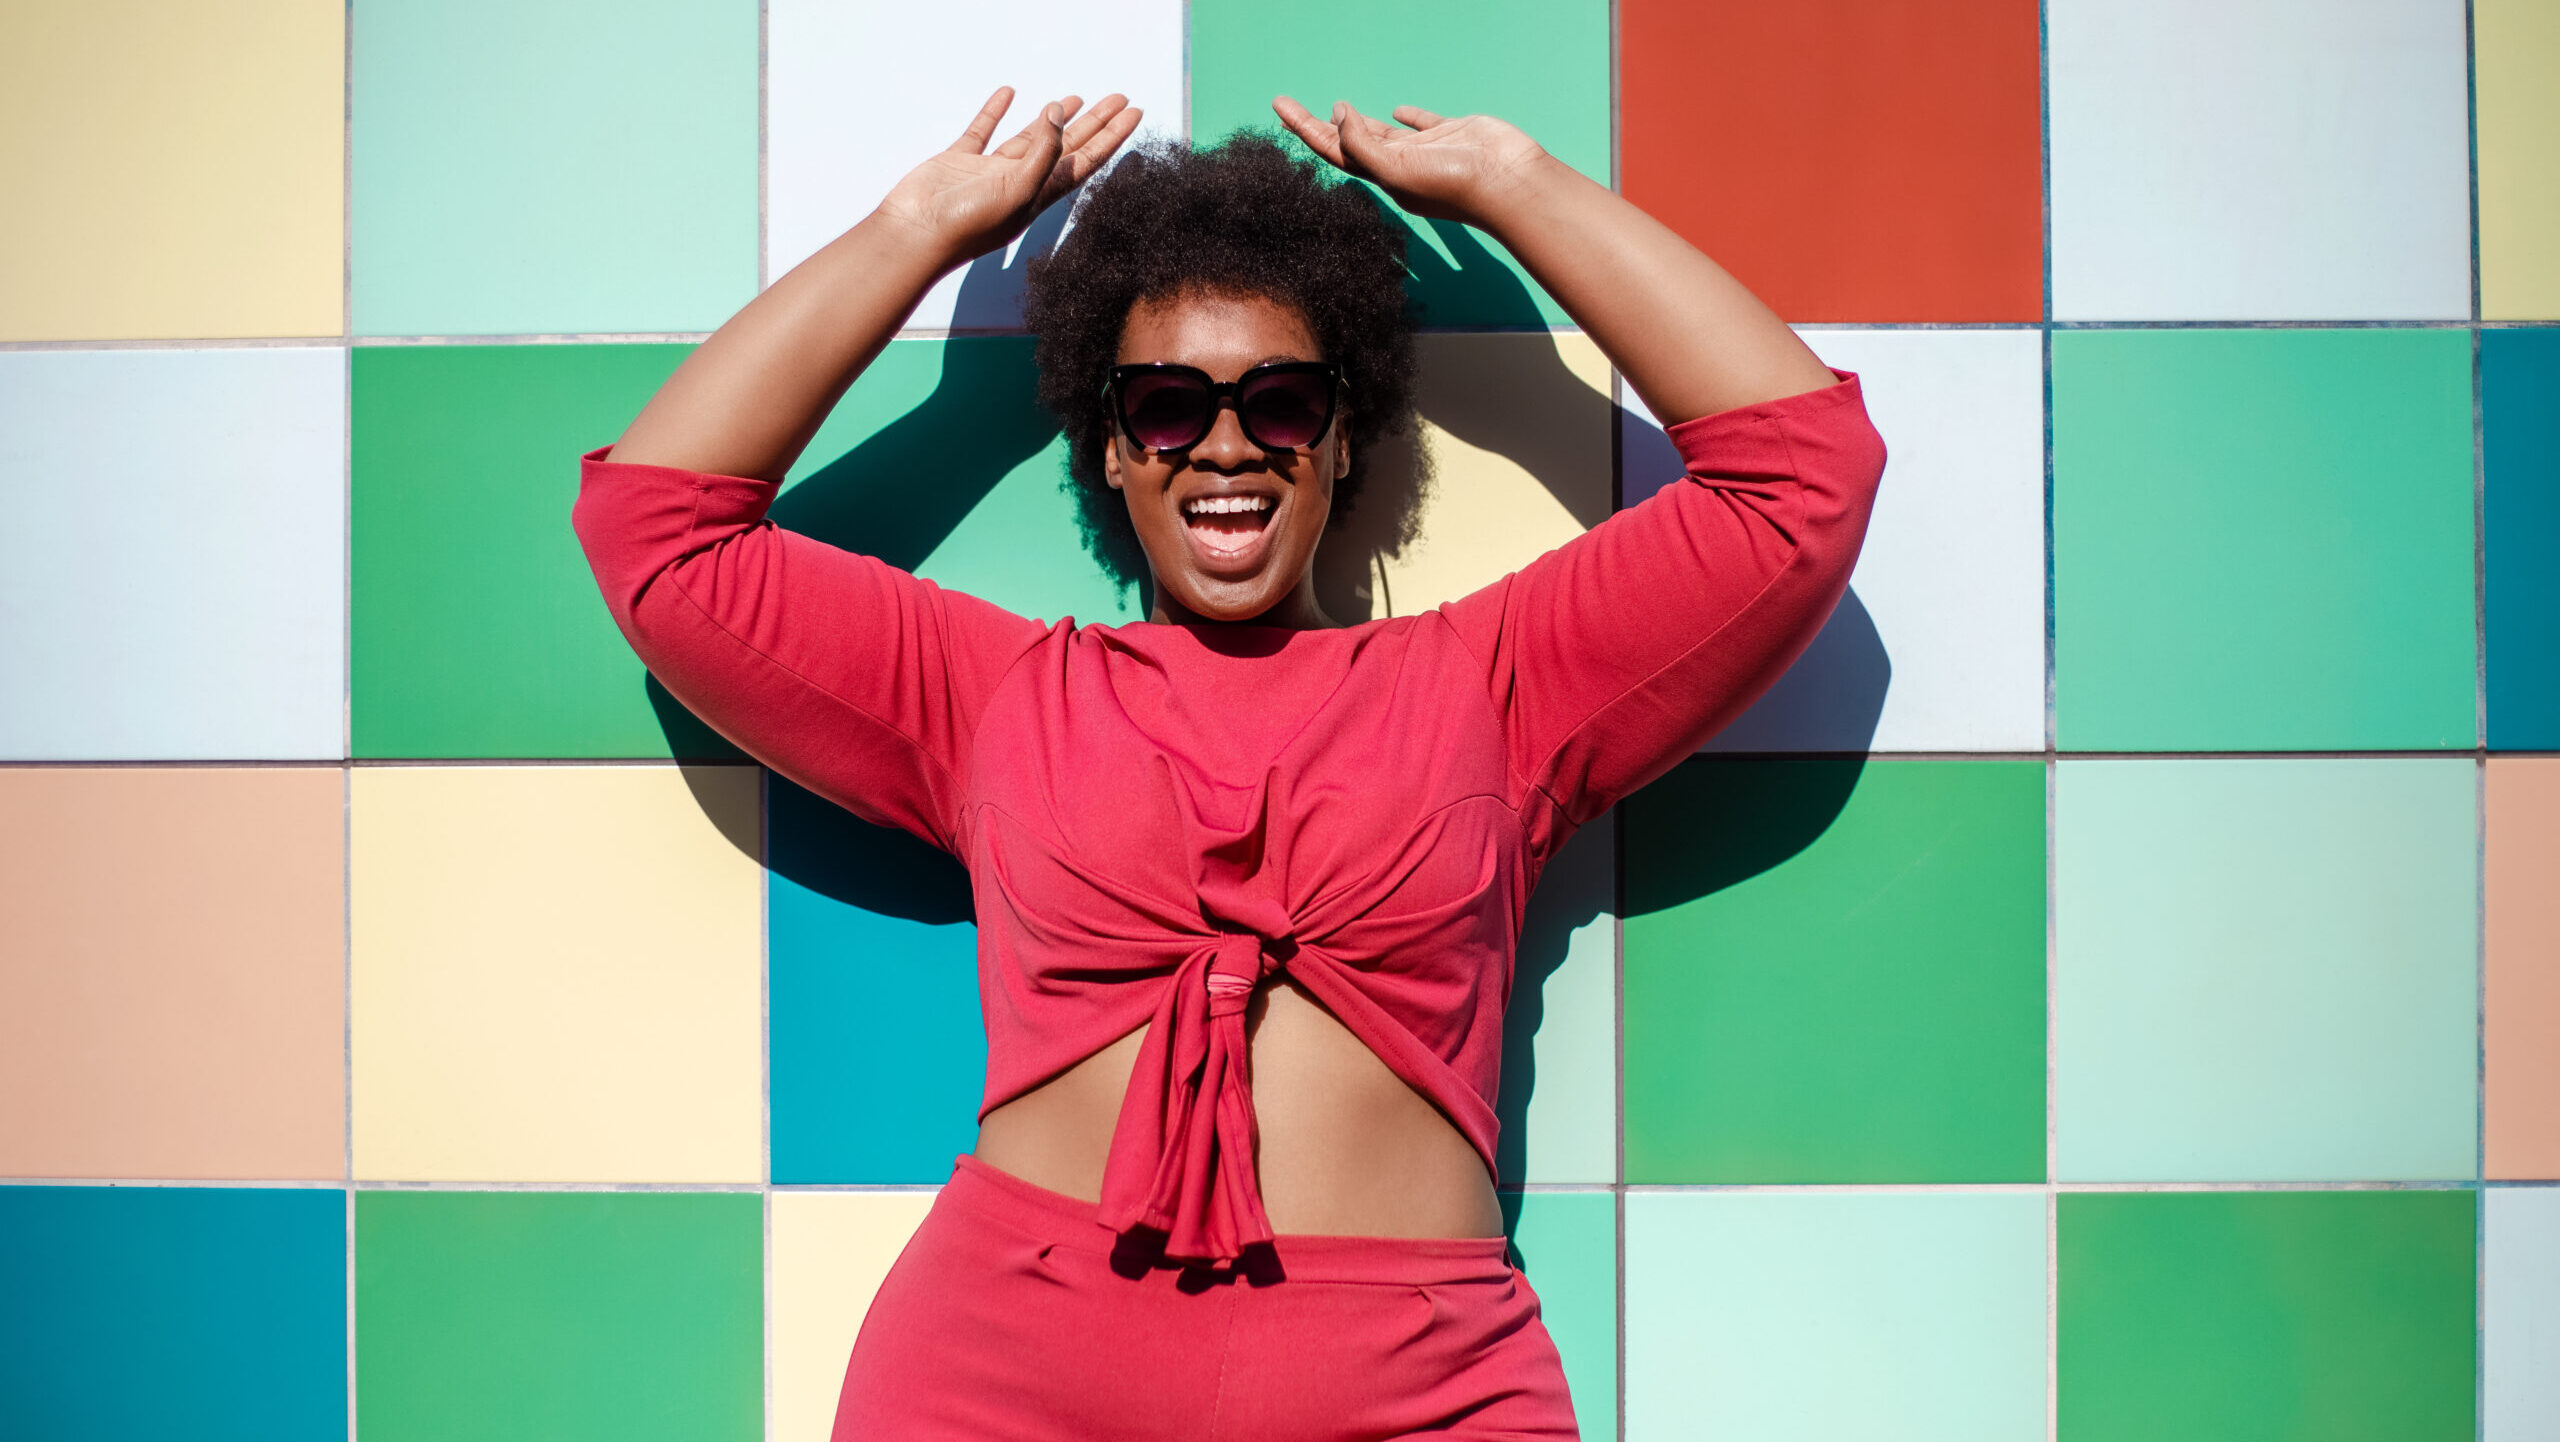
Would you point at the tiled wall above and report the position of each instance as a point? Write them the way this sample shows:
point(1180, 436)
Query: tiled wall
point(2111, 989)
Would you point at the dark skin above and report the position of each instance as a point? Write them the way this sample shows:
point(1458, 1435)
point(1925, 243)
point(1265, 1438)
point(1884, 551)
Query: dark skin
point(1347, 1148)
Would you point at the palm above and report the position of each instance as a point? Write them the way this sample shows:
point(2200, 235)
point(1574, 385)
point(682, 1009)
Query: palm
point(1429, 165)
point(975, 200)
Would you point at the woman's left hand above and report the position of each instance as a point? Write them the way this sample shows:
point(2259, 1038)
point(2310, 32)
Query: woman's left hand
point(1436, 167)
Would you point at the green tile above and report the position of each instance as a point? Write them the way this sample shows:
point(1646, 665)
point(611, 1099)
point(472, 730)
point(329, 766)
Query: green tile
point(2262, 540)
point(1835, 972)
point(1559, 1104)
point(1816, 1316)
point(478, 631)
point(2267, 1316)
point(1543, 65)
point(940, 461)
point(559, 1316)
point(552, 166)
point(1566, 1243)
point(2266, 970)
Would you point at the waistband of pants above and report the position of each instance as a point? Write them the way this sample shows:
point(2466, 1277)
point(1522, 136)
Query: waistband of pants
point(1061, 1220)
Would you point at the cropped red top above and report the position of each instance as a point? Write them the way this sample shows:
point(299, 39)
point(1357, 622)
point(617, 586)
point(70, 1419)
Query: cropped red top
point(1155, 818)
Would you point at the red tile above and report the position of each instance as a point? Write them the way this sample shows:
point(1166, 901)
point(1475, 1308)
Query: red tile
point(1849, 160)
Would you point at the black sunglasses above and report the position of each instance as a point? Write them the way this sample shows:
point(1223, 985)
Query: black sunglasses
point(1282, 406)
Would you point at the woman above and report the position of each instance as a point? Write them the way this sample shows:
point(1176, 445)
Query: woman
point(1248, 883)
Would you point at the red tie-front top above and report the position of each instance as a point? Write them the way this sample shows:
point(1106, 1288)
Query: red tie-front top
point(1156, 818)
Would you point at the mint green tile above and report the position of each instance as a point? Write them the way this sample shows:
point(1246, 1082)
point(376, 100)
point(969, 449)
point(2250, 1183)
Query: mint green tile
point(1835, 972)
point(1559, 1105)
point(1566, 1244)
point(940, 461)
point(1543, 65)
point(559, 1316)
point(2266, 970)
point(477, 627)
point(2262, 540)
point(552, 166)
point(2266, 1317)
point(1804, 1317)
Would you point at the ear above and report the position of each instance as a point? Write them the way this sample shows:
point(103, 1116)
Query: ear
point(1342, 445)
point(1111, 461)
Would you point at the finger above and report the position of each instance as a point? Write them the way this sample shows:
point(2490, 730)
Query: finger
point(981, 130)
point(1090, 123)
point(1075, 167)
point(1361, 134)
point(1416, 118)
point(1039, 138)
point(1323, 139)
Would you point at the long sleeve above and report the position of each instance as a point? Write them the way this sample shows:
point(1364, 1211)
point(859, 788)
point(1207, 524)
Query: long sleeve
point(1617, 654)
point(850, 676)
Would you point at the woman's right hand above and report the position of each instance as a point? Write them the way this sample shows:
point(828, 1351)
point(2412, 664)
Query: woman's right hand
point(968, 200)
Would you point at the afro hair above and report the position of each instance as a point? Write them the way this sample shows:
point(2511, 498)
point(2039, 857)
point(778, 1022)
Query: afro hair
point(1243, 217)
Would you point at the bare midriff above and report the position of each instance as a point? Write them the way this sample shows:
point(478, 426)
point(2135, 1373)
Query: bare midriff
point(1348, 1149)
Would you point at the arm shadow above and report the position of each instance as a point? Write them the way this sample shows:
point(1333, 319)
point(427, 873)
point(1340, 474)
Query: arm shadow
point(898, 494)
point(1717, 820)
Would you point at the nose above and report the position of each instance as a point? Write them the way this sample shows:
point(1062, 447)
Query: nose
point(1225, 448)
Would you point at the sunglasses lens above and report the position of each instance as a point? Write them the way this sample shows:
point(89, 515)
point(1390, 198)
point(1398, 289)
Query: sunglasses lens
point(1287, 410)
point(1165, 412)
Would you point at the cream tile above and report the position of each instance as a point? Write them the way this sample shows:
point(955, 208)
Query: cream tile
point(830, 1251)
point(557, 974)
point(172, 170)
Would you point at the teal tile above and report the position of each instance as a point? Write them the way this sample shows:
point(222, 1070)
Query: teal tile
point(1805, 1315)
point(562, 1316)
point(552, 166)
point(1559, 1106)
point(1543, 65)
point(2262, 540)
point(155, 1312)
point(2520, 440)
point(2266, 1316)
point(1835, 972)
point(2266, 970)
point(1566, 1244)
point(876, 1049)
point(940, 461)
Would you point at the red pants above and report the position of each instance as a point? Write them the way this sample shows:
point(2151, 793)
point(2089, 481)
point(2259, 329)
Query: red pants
point(1010, 1315)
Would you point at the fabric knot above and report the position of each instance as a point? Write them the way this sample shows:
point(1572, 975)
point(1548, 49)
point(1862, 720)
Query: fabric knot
point(1240, 963)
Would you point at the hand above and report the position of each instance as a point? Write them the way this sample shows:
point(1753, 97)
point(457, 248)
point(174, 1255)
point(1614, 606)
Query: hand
point(969, 200)
point(1444, 169)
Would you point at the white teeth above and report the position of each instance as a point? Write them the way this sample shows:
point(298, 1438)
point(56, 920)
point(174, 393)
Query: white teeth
point(1225, 505)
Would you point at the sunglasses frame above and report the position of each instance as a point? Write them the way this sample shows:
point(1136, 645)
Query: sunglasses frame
point(1221, 395)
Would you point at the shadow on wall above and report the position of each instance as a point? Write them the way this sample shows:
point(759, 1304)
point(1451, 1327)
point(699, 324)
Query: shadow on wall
point(901, 492)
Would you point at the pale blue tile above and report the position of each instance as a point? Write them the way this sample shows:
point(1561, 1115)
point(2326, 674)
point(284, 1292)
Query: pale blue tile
point(177, 585)
point(1785, 1316)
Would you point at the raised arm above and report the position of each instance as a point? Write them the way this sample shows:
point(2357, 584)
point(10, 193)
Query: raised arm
point(1690, 338)
point(839, 670)
point(747, 401)
point(1615, 655)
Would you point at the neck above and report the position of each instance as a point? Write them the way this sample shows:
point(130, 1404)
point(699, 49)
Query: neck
point(1296, 611)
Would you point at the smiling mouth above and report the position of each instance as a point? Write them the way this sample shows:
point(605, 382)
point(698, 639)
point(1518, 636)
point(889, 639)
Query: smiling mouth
point(1229, 528)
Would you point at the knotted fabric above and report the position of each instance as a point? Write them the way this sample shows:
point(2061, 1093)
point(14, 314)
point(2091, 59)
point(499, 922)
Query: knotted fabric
point(1203, 1195)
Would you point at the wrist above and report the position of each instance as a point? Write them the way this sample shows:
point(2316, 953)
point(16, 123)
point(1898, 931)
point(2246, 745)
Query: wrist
point(889, 234)
point(1519, 187)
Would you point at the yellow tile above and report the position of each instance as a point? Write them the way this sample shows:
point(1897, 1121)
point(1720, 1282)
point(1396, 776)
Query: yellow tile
point(829, 1252)
point(557, 974)
point(172, 170)
point(2517, 43)
point(1517, 431)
